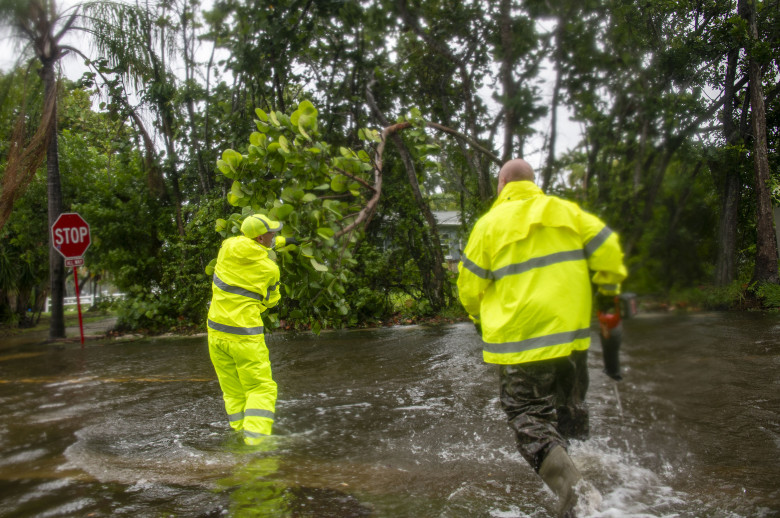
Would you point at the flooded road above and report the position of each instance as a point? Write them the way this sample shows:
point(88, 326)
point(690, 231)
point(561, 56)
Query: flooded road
point(400, 422)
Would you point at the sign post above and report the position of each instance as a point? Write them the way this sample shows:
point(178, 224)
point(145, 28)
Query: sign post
point(71, 238)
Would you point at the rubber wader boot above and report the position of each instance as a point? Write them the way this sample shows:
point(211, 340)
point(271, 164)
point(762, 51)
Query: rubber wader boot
point(560, 475)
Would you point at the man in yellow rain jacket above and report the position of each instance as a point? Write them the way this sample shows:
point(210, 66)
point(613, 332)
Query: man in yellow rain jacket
point(245, 284)
point(525, 281)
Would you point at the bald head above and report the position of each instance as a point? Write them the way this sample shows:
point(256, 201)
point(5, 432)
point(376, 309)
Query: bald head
point(515, 170)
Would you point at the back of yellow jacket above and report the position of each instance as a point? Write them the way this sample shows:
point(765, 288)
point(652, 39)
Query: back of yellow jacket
point(525, 275)
point(245, 284)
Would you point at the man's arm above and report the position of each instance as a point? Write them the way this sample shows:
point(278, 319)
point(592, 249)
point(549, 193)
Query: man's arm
point(604, 255)
point(474, 276)
point(272, 295)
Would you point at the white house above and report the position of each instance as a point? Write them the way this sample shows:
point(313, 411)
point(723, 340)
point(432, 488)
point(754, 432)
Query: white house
point(448, 224)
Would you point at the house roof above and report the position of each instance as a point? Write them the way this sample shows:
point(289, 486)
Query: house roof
point(447, 217)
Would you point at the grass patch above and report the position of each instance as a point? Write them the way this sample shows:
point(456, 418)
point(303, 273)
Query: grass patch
point(71, 320)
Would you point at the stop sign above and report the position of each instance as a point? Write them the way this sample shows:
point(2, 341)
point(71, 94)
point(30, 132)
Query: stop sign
point(70, 235)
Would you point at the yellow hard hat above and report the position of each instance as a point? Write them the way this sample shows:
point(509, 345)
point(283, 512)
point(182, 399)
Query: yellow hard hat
point(257, 225)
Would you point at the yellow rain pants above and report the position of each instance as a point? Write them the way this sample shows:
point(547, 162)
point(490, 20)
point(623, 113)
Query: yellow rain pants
point(249, 391)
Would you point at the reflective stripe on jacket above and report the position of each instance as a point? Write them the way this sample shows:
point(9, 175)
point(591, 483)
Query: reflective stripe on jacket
point(245, 284)
point(525, 275)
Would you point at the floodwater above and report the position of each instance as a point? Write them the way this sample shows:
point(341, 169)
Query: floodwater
point(398, 422)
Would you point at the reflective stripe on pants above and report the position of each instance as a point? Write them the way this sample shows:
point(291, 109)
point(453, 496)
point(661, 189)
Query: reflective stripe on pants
point(249, 391)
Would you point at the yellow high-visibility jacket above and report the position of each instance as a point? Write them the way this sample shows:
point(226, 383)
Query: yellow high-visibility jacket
point(245, 284)
point(525, 275)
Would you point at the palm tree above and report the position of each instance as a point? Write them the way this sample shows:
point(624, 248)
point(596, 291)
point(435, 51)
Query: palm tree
point(41, 26)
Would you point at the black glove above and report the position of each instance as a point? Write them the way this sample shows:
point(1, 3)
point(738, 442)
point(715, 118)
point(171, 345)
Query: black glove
point(292, 241)
point(610, 348)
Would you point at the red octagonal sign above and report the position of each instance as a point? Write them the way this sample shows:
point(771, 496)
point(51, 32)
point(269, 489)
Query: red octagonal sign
point(70, 235)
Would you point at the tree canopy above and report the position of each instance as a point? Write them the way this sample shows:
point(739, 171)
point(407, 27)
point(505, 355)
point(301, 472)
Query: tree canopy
point(355, 121)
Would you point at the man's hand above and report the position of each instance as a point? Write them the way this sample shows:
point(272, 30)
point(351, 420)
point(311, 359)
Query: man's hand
point(281, 241)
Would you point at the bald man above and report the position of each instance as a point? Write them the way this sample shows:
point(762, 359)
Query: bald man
point(525, 280)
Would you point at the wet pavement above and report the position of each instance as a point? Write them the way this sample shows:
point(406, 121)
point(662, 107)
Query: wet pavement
point(389, 422)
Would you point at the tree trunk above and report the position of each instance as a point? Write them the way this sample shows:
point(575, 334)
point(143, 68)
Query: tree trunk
point(437, 283)
point(507, 81)
point(549, 166)
point(766, 241)
point(726, 263)
point(189, 68)
point(54, 193)
point(435, 286)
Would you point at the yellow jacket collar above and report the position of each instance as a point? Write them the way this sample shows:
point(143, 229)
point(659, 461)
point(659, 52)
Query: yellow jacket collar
point(517, 191)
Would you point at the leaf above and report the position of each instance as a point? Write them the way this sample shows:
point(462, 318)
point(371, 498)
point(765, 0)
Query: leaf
point(225, 168)
point(282, 211)
point(284, 144)
point(325, 232)
point(304, 121)
point(303, 132)
point(369, 134)
point(333, 207)
point(339, 183)
point(309, 197)
point(233, 158)
point(307, 108)
point(261, 115)
point(318, 266)
point(233, 199)
point(210, 267)
point(316, 328)
point(274, 119)
point(220, 225)
point(257, 139)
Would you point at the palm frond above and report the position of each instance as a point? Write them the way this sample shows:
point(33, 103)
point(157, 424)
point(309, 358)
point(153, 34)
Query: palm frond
point(130, 37)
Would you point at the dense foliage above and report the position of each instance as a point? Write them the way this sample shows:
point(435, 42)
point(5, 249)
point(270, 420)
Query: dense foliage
point(314, 189)
point(187, 120)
